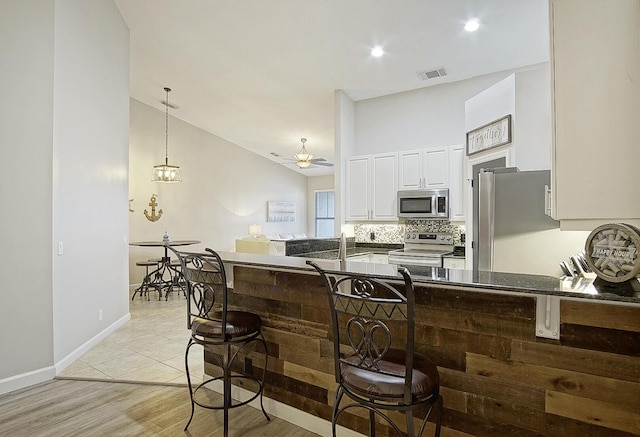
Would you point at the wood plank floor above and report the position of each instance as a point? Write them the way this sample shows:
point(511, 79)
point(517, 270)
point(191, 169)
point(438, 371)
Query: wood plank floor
point(93, 408)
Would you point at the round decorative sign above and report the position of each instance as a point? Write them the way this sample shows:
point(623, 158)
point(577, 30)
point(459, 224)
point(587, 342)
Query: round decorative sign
point(612, 252)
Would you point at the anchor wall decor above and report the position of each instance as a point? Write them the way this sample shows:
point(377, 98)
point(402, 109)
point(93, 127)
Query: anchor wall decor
point(153, 217)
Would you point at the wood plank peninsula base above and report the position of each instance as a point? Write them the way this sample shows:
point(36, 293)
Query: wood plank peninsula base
point(497, 377)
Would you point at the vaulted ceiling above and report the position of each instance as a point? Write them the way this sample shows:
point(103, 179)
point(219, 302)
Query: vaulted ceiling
point(262, 73)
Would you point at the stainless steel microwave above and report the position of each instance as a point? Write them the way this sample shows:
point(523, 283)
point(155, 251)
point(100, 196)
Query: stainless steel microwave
point(424, 204)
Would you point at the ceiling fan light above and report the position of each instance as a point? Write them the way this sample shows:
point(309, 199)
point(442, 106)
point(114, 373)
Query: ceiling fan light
point(303, 155)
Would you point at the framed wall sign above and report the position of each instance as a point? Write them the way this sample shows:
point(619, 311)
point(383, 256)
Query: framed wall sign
point(494, 134)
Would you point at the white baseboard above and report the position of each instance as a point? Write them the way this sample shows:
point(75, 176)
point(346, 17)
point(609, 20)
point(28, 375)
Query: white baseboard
point(286, 412)
point(27, 379)
point(78, 352)
point(44, 374)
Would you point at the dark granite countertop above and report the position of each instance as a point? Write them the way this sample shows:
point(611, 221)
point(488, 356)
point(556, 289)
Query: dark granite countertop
point(504, 282)
point(351, 251)
point(328, 251)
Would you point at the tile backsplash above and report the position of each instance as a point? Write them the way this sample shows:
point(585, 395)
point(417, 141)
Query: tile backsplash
point(394, 233)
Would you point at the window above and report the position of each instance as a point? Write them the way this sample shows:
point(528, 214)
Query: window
point(325, 215)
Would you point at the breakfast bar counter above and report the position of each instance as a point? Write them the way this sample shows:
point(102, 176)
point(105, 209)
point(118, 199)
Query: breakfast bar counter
point(497, 281)
point(499, 375)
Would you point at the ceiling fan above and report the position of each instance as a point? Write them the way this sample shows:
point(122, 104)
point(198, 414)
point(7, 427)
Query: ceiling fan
point(304, 159)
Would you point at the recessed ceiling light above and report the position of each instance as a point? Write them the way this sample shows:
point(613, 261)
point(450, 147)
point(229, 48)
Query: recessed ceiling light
point(377, 51)
point(472, 25)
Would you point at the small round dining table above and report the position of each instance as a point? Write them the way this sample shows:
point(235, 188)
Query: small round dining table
point(161, 243)
point(156, 277)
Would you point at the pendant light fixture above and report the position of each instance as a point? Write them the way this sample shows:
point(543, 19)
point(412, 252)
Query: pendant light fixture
point(303, 158)
point(165, 172)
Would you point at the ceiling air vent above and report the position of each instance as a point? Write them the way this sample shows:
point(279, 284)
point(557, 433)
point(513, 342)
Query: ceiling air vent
point(432, 74)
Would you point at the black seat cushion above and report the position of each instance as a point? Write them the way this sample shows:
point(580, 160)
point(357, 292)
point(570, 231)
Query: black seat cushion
point(390, 384)
point(239, 324)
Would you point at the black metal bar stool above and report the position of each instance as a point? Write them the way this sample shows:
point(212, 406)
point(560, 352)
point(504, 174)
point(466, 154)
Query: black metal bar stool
point(226, 334)
point(373, 329)
point(147, 281)
point(176, 279)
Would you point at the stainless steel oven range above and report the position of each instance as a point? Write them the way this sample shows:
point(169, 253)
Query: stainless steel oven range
point(423, 249)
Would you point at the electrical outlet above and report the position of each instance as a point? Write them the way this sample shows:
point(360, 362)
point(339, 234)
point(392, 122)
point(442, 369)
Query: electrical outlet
point(60, 248)
point(99, 314)
point(372, 236)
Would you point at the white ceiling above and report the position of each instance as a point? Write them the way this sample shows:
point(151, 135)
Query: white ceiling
point(262, 73)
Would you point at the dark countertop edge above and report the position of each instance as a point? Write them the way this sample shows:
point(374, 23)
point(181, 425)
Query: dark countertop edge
point(333, 253)
point(532, 286)
point(379, 246)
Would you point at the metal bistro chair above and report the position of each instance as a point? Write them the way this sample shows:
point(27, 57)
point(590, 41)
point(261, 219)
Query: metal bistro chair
point(375, 364)
point(226, 333)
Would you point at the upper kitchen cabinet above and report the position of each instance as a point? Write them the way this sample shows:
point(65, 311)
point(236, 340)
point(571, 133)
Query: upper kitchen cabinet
point(372, 187)
point(595, 65)
point(424, 168)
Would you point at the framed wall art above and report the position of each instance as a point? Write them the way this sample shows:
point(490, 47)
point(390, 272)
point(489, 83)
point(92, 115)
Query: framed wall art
point(281, 211)
point(494, 134)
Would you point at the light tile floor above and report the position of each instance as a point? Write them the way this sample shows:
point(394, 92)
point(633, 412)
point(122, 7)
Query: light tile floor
point(148, 348)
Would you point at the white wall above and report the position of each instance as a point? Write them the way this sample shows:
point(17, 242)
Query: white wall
point(225, 188)
point(26, 134)
point(490, 104)
point(64, 134)
point(90, 186)
point(344, 137)
point(537, 252)
point(526, 95)
point(427, 117)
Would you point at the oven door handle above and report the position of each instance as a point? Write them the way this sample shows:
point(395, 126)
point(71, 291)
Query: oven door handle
point(416, 261)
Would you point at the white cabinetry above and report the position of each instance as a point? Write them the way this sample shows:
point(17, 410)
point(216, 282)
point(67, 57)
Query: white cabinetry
point(595, 66)
point(457, 183)
point(374, 263)
point(380, 258)
point(371, 187)
point(436, 167)
point(424, 168)
point(376, 258)
point(410, 170)
point(453, 263)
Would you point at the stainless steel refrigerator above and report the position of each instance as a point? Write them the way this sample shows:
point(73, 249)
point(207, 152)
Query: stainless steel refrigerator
point(511, 231)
